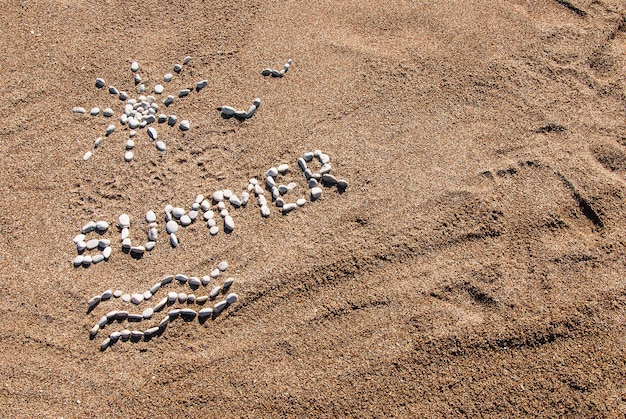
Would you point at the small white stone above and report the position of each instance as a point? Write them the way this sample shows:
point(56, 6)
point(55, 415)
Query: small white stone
point(325, 168)
point(160, 145)
point(152, 133)
point(94, 301)
point(106, 253)
point(282, 168)
point(94, 330)
point(78, 109)
point(220, 306)
point(261, 200)
point(137, 79)
point(222, 266)
point(313, 183)
point(316, 192)
point(126, 298)
point(147, 295)
point(214, 230)
point(125, 233)
point(87, 260)
point(275, 192)
point(228, 110)
point(208, 215)
point(184, 125)
point(150, 245)
point(186, 59)
point(97, 258)
point(171, 227)
point(302, 164)
point(215, 291)
point(234, 201)
point(282, 189)
point(215, 273)
point(211, 222)
point(245, 196)
point(123, 95)
point(221, 206)
point(134, 66)
point(136, 334)
point(78, 260)
point(280, 202)
point(153, 233)
point(231, 298)
point(201, 84)
point(125, 334)
point(218, 196)
point(160, 304)
point(87, 155)
point(178, 212)
point(178, 68)
point(258, 190)
point(288, 207)
point(185, 220)
point(228, 283)
point(80, 246)
point(102, 226)
point(342, 184)
point(174, 240)
point(117, 293)
point(151, 331)
point(100, 83)
point(130, 144)
point(172, 296)
point(324, 158)
point(184, 92)
point(78, 238)
point(251, 110)
point(272, 171)
point(265, 211)
point(188, 313)
point(168, 77)
point(329, 180)
point(270, 182)
point(205, 312)
point(194, 282)
point(89, 227)
point(168, 101)
point(147, 313)
point(128, 156)
point(229, 224)
point(158, 89)
point(105, 344)
point(182, 297)
point(136, 298)
point(300, 202)
point(206, 279)
point(171, 120)
point(97, 142)
point(123, 221)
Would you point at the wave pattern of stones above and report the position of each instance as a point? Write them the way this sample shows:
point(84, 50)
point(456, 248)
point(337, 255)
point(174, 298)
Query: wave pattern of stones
point(214, 308)
point(277, 73)
point(230, 112)
point(142, 111)
point(219, 202)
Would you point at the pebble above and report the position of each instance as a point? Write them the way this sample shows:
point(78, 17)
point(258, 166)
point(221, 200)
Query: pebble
point(160, 304)
point(174, 240)
point(329, 179)
point(181, 278)
point(94, 330)
point(183, 92)
point(316, 192)
point(123, 221)
point(215, 291)
point(147, 295)
point(153, 233)
point(97, 258)
point(213, 230)
point(94, 301)
point(113, 90)
point(117, 293)
point(300, 202)
point(78, 238)
point(325, 168)
point(126, 298)
point(205, 312)
point(160, 145)
point(128, 156)
point(87, 261)
point(135, 317)
point(194, 282)
point(167, 279)
point(152, 133)
point(111, 315)
point(185, 220)
point(265, 211)
point(302, 164)
point(104, 243)
point(220, 306)
point(201, 85)
point(222, 266)
point(202, 300)
point(206, 279)
point(134, 67)
point(229, 224)
point(103, 321)
point(280, 202)
point(171, 296)
point(115, 336)
point(125, 334)
point(151, 331)
point(178, 68)
point(228, 282)
point(105, 344)
point(289, 207)
point(88, 228)
point(136, 334)
point(313, 183)
point(137, 298)
point(80, 246)
point(164, 322)
point(100, 83)
point(173, 313)
point(147, 313)
point(171, 227)
point(137, 79)
point(171, 120)
point(78, 109)
point(188, 313)
point(108, 112)
point(272, 171)
point(130, 144)
point(106, 253)
point(158, 89)
point(97, 142)
point(123, 95)
point(228, 110)
point(251, 110)
point(184, 125)
point(231, 298)
point(342, 184)
point(193, 214)
point(78, 260)
point(168, 100)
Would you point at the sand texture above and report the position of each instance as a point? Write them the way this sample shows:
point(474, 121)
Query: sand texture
point(475, 265)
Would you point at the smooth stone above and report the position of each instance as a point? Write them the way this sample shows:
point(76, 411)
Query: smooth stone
point(300, 202)
point(229, 224)
point(94, 330)
point(107, 252)
point(186, 59)
point(171, 227)
point(215, 291)
point(282, 189)
point(134, 67)
point(123, 221)
point(193, 214)
point(124, 233)
point(218, 196)
point(266, 71)
point(228, 283)
point(103, 321)
point(155, 288)
point(78, 238)
point(92, 244)
point(220, 306)
point(113, 90)
point(329, 180)
point(262, 200)
point(168, 100)
point(202, 300)
point(302, 164)
point(167, 279)
point(111, 315)
point(313, 183)
point(78, 109)
point(87, 260)
point(158, 89)
point(272, 171)
point(325, 168)
point(191, 298)
point(152, 133)
point(137, 250)
point(228, 110)
point(94, 301)
point(104, 243)
point(206, 279)
point(123, 95)
point(153, 233)
point(234, 201)
point(178, 212)
point(205, 205)
point(270, 182)
point(342, 184)
point(316, 192)
point(172, 314)
point(289, 207)
point(324, 158)
point(88, 228)
point(128, 156)
point(78, 260)
point(126, 298)
point(214, 230)
point(105, 344)
point(110, 129)
point(150, 217)
point(194, 282)
point(205, 312)
point(185, 220)
point(181, 278)
point(132, 122)
point(130, 144)
point(308, 174)
point(147, 313)
point(147, 295)
point(256, 102)
point(160, 145)
point(231, 298)
point(134, 317)
point(245, 196)
point(97, 142)
point(168, 77)
point(174, 240)
point(280, 202)
point(183, 92)
point(222, 266)
point(102, 226)
point(115, 336)
point(136, 334)
point(164, 322)
point(215, 273)
point(221, 206)
point(258, 190)
point(121, 315)
point(251, 110)
point(201, 84)
point(137, 298)
point(151, 331)
point(172, 296)
point(87, 155)
point(108, 112)
point(178, 68)
point(188, 313)
point(94, 111)
point(118, 293)
point(308, 156)
point(162, 118)
point(265, 211)
point(276, 73)
point(171, 120)
point(125, 334)
point(211, 223)
point(100, 83)
point(97, 258)
point(137, 79)
point(160, 304)
point(182, 297)
point(80, 246)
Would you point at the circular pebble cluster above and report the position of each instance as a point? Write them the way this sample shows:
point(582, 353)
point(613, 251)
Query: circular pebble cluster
point(277, 73)
point(187, 313)
point(229, 111)
point(212, 209)
point(141, 111)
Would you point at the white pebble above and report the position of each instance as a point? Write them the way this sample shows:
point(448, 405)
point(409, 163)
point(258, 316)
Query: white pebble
point(218, 196)
point(201, 84)
point(136, 298)
point(234, 201)
point(172, 296)
point(288, 207)
point(220, 306)
point(147, 295)
point(342, 184)
point(134, 66)
point(206, 279)
point(78, 260)
point(105, 344)
point(171, 227)
point(215, 291)
point(152, 133)
point(171, 120)
point(300, 202)
point(151, 331)
point(100, 83)
point(150, 245)
point(94, 301)
point(265, 211)
point(173, 240)
point(78, 238)
point(178, 68)
point(228, 110)
point(214, 230)
point(168, 100)
point(178, 212)
point(228, 283)
point(324, 158)
point(78, 109)
point(205, 312)
point(160, 304)
point(126, 298)
point(130, 144)
point(89, 227)
point(182, 297)
point(107, 252)
point(158, 89)
point(316, 192)
point(184, 125)
point(128, 156)
point(147, 313)
point(229, 224)
point(153, 233)
point(87, 155)
point(222, 266)
point(185, 220)
point(123, 221)
point(97, 258)
point(231, 298)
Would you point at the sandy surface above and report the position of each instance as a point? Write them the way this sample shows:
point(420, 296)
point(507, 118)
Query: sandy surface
point(474, 266)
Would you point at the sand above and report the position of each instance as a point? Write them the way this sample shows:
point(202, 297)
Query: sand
point(473, 267)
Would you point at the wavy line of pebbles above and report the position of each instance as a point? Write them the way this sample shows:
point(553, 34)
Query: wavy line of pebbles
point(277, 73)
point(141, 111)
point(230, 112)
